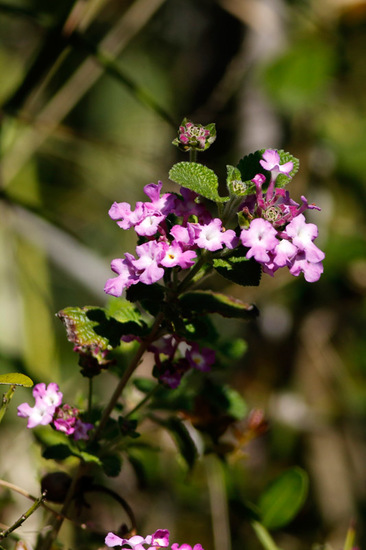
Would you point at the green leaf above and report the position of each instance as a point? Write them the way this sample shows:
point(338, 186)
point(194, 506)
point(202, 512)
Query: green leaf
point(197, 178)
point(80, 329)
point(206, 301)
point(92, 326)
point(111, 465)
point(123, 311)
point(236, 406)
point(182, 438)
point(238, 269)
point(88, 457)
point(283, 499)
point(151, 297)
point(144, 385)
point(249, 167)
point(57, 452)
point(16, 379)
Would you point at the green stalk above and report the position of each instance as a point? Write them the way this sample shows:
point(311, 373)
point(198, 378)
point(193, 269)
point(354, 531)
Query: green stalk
point(6, 400)
point(142, 402)
point(23, 517)
point(264, 537)
point(350, 539)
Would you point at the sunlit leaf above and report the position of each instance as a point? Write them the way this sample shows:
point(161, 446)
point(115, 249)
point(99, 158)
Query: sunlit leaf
point(197, 178)
point(16, 379)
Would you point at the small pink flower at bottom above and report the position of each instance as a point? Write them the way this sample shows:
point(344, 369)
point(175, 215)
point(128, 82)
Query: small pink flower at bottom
point(159, 539)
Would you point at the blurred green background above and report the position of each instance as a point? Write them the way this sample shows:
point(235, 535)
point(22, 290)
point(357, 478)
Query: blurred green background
point(91, 93)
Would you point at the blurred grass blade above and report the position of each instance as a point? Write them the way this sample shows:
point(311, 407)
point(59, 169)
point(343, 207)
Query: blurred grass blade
point(130, 24)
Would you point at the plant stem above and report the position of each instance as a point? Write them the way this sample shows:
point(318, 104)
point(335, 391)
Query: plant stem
point(90, 396)
point(23, 517)
point(6, 400)
point(142, 402)
point(264, 537)
point(127, 375)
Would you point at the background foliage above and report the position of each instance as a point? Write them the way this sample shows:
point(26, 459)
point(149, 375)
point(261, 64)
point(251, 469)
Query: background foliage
point(91, 95)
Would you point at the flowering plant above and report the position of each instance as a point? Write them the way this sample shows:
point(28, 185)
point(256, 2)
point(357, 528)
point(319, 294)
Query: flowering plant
point(157, 307)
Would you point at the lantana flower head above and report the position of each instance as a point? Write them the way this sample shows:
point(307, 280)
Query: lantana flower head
point(195, 136)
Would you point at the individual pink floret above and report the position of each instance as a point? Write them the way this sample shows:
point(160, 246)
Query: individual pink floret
point(50, 395)
point(260, 238)
point(272, 161)
point(302, 235)
point(212, 237)
point(150, 255)
point(312, 271)
point(126, 275)
point(39, 415)
point(176, 256)
point(185, 236)
point(160, 204)
point(122, 211)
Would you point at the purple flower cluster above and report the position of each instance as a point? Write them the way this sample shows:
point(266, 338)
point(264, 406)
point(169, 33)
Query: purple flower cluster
point(278, 234)
point(164, 246)
point(175, 356)
point(159, 539)
point(49, 409)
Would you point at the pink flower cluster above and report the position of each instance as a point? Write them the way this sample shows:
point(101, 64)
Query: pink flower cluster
point(159, 539)
point(278, 234)
point(175, 356)
point(164, 246)
point(48, 409)
point(195, 136)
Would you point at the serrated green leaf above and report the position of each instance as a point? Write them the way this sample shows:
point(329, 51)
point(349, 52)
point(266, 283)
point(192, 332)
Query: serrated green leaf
point(111, 465)
point(283, 499)
point(238, 269)
point(80, 329)
point(207, 301)
point(57, 452)
point(197, 178)
point(16, 379)
point(92, 327)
